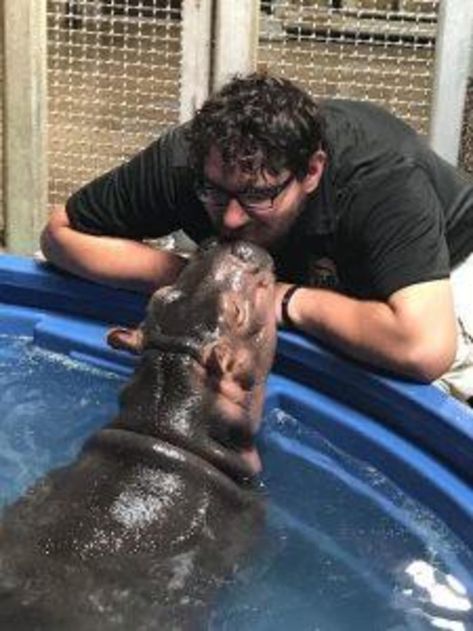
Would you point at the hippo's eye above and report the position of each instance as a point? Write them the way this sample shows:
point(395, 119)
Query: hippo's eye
point(234, 310)
point(239, 314)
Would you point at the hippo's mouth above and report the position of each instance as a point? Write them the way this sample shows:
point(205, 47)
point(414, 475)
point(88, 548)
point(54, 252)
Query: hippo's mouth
point(252, 257)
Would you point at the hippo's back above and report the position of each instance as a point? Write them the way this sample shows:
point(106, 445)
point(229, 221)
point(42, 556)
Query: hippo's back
point(136, 534)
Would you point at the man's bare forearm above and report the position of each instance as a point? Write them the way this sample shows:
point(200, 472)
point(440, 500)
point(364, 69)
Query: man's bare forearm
point(413, 333)
point(113, 261)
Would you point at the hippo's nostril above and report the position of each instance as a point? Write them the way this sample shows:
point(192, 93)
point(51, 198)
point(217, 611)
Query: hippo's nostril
point(252, 255)
point(244, 251)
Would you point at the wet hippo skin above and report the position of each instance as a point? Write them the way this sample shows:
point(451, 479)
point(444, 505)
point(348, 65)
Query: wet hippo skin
point(159, 508)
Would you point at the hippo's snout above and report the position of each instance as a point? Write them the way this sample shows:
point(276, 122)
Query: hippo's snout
point(226, 290)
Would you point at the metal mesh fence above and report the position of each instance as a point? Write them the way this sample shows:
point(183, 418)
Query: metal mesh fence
point(376, 50)
point(114, 70)
point(113, 82)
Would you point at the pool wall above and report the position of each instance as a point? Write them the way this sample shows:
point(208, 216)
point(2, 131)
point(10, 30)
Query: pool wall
point(416, 433)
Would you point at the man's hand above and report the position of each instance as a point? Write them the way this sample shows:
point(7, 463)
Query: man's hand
point(109, 260)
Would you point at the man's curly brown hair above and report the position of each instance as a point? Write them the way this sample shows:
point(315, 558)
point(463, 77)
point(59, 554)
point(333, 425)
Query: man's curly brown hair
point(258, 123)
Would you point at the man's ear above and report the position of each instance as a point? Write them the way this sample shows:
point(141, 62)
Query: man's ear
point(130, 340)
point(315, 169)
point(223, 361)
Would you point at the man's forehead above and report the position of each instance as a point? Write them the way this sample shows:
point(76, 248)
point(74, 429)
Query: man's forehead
point(233, 176)
point(216, 170)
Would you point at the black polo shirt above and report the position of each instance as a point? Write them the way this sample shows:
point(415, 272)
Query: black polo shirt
point(388, 212)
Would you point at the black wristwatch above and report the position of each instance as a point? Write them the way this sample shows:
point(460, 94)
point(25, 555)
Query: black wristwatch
point(288, 294)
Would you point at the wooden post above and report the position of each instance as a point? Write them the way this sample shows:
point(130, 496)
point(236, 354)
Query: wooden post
point(196, 51)
point(236, 39)
point(452, 61)
point(24, 123)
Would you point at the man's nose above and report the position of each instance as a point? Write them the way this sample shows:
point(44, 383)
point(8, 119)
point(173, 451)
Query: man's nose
point(234, 215)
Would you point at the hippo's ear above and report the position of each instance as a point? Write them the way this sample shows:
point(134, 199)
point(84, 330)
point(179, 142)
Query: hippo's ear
point(222, 360)
point(126, 339)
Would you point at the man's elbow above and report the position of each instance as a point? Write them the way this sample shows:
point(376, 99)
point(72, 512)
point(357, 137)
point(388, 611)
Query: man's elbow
point(50, 237)
point(46, 242)
point(430, 359)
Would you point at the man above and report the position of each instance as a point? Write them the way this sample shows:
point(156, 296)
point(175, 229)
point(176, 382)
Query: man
point(364, 221)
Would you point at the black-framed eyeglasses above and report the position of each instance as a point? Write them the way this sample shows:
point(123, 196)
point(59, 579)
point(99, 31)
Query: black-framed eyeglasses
point(252, 200)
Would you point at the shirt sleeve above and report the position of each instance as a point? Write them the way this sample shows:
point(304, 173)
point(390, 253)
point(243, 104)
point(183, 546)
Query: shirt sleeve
point(140, 198)
point(393, 232)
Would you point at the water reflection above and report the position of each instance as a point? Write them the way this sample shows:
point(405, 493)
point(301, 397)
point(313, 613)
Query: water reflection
point(436, 597)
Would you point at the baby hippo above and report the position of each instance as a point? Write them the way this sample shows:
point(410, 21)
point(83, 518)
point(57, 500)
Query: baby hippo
point(159, 507)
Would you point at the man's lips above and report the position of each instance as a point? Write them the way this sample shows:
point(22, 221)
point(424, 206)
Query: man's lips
point(233, 235)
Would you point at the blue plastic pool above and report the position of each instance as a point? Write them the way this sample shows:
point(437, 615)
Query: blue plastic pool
point(371, 478)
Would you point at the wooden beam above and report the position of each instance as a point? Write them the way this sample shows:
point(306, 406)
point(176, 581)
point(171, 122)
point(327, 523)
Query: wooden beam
point(24, 123)
point(452, 67)
point(236, 39)
point(196, 50)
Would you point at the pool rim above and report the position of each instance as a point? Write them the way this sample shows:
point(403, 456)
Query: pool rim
point(38, 299)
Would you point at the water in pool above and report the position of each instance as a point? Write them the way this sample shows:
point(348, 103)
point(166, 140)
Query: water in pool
point(345, 548)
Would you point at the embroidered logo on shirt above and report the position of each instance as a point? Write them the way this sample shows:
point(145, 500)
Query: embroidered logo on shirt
point(323, 274)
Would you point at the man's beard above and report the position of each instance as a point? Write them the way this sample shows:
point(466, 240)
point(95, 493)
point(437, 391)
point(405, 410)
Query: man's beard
point(260, 235)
